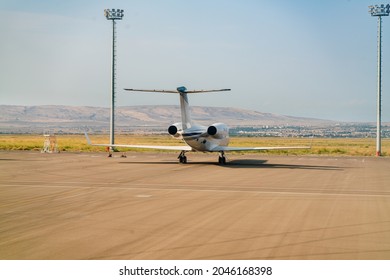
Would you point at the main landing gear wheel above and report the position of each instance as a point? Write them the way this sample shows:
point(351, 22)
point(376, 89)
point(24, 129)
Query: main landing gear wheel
point(182, 157)
point(222, 158)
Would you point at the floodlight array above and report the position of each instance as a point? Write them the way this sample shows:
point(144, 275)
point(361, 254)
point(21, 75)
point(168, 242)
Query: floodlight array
point(379, 10)
point(113, 14)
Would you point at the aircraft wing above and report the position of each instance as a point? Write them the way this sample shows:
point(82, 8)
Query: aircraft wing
point(172, 148)
point(230, 149)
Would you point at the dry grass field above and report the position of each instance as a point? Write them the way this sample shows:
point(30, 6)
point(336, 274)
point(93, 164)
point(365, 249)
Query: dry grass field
point(320, 146)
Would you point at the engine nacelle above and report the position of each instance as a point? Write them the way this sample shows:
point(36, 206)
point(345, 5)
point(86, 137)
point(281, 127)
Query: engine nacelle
point(175, 130)
point(218, 130)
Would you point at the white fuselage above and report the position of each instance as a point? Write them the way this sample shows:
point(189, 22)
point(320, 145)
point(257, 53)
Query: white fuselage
point(199, 138)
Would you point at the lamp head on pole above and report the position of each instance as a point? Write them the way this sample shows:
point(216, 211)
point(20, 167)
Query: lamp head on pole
point(379, 10)
point(113, 14)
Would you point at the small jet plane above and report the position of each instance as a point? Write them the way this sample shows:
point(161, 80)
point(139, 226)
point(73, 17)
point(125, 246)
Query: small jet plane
point(198, 138)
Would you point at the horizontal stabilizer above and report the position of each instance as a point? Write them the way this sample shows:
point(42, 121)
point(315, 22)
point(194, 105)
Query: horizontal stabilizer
point(178, 90)
point(152, 90)
point(211, 90)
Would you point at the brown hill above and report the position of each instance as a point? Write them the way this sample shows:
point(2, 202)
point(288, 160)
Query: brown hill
point(35, 119)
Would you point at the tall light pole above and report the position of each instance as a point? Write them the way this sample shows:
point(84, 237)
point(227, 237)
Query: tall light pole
point(379, 11)
point(113, 15)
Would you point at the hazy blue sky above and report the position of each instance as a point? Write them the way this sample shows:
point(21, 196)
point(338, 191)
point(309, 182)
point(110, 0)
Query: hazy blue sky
point(302, 58)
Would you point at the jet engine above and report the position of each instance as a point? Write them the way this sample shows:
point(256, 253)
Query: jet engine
point(218, 130)
point(175, 130)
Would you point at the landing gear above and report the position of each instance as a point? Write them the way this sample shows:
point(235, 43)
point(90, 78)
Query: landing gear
point(222, 158)
point(182, 157)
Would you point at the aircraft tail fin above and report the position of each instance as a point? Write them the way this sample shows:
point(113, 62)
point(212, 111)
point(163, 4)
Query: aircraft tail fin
point(184, 105)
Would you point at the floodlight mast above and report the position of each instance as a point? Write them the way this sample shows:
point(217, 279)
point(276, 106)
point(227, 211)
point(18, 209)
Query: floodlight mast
point(113, 15)
point(379, 11)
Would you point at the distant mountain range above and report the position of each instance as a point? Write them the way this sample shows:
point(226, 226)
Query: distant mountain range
point(35, 119)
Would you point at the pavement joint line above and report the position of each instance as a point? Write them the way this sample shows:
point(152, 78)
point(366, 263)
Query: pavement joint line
point(140, 187)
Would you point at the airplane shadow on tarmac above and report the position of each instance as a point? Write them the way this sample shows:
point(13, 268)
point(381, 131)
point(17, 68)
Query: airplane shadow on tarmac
point(245, 163)
point(254, 163)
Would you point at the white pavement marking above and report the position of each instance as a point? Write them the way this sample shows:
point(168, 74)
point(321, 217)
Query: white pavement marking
point(184, 189)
